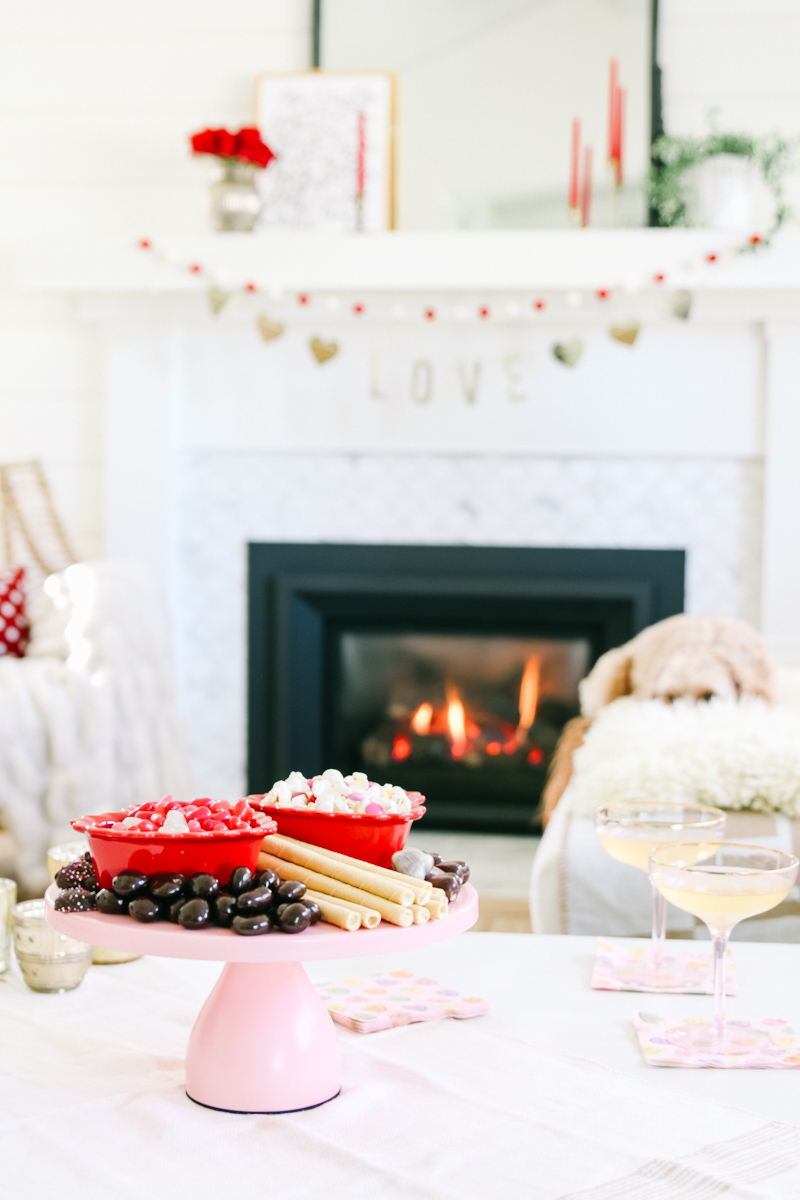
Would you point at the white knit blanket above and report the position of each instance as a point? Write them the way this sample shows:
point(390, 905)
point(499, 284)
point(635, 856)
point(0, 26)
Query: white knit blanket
point(88, 720)
point(734, 756)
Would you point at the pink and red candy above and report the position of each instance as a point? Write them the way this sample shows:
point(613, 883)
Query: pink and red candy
point(202, 815)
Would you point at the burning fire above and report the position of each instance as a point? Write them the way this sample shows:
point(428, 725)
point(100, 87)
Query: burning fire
point(528, 697)
point(421, 720)
point(466, 737)
point(456, 723)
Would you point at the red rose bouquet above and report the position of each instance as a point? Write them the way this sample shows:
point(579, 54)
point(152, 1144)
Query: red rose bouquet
point(245, 146)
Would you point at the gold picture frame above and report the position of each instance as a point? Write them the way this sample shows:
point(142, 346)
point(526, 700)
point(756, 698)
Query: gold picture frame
point(334, 134)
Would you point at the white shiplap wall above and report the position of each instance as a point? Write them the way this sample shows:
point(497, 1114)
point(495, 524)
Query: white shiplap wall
point(96, 102)
point(736, 57)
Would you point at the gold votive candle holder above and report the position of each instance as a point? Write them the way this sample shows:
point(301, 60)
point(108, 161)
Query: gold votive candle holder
point(49, 961)
point(59, 856)
point(8, 898)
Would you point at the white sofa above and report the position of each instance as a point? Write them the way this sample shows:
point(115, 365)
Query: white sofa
point(88, 718)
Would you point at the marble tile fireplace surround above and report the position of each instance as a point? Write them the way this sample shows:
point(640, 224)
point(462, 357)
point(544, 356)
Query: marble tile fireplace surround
point(455, 430)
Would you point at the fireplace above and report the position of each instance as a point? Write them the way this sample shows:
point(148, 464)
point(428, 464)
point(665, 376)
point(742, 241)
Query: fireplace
point(449, 670)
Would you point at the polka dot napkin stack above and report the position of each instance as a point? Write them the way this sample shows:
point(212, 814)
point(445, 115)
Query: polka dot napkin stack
point(14, 629)
point(372, 1002)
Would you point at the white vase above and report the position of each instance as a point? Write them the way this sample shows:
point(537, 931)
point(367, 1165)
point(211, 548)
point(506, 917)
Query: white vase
point(727, 192)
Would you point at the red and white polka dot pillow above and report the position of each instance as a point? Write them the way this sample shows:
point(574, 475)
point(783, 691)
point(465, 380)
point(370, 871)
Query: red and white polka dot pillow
point(14, 627)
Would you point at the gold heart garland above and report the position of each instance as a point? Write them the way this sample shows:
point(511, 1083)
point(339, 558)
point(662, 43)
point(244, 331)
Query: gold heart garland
point(568, 353)
point(322, 351)
point(217, 298)
point(268, 328)
point(626, 333)
point(682, 305)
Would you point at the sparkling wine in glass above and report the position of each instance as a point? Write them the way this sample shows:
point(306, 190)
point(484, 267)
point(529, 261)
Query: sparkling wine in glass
point(722, 886)
point(629, 831)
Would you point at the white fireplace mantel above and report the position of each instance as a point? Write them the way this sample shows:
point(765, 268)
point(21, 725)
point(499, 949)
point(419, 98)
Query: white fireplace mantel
point(722, 386)
point(446, 262)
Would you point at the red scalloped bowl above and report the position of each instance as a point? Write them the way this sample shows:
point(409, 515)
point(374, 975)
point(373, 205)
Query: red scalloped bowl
point(371, 838)
point(159, 853)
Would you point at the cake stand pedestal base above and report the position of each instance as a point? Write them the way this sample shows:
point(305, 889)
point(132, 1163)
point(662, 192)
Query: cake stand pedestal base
point(263, 1042)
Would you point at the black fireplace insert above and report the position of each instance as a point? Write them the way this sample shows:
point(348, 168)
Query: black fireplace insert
point(449, 670)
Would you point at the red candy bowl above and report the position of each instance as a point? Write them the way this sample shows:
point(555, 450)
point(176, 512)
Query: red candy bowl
point(373, 839)
point(153, 852)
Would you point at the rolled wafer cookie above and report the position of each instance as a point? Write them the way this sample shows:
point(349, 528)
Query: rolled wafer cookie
point(438, 911)
point(421, 914)
point(421, 887)
point(369, 917)
point(318, 860)
point(394, 913)
point(336, 913)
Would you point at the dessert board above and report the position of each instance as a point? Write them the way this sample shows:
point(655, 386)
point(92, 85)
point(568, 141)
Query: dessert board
point(263, 1041)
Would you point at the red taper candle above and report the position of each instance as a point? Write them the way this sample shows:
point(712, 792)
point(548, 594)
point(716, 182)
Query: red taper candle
point(573, 175)
point(613, 97)
point(586, 191)
point(362, 146)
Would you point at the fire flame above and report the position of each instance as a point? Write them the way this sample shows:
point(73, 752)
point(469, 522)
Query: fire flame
point(421, 720)
point(528, 697)
point(456, 723)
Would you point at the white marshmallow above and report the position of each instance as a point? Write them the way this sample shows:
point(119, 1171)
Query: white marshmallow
point(281, 792)
point(298, 783)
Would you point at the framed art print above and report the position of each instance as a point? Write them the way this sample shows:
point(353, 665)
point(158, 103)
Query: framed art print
point(333, 135)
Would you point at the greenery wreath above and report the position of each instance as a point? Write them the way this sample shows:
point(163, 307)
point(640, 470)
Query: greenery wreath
point(672, 157)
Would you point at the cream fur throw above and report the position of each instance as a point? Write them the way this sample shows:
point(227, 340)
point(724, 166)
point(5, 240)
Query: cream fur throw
point(88, 719)
point(742, 755)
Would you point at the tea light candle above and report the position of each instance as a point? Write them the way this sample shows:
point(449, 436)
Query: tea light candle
point(49, 961)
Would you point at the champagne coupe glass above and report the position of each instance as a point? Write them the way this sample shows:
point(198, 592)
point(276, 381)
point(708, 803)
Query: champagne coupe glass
point(722, 885)
point(629, 831)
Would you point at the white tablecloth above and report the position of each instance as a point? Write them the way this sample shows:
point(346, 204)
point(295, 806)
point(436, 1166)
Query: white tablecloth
point(545, 1098)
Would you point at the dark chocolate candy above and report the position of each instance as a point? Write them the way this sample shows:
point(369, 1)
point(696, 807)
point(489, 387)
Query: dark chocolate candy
point(455, 867)
point(241, 881)
point(292, 889)
point(195, 913)
point(449, 884)
point(109, 902)
point(202, 886)
point(166, 887)
point(145, 908)
point(224, 910)
point(294, 918)
point(74, 899)
point(250, 926)
point(268, 878)
point(257, 900)
point(79, 873)
point(129, 884)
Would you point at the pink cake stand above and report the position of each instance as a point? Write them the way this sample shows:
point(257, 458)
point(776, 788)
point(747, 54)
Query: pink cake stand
point(263, 1042)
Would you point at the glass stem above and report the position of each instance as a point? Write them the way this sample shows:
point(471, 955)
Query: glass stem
point(720, 948)
point(659, 927)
